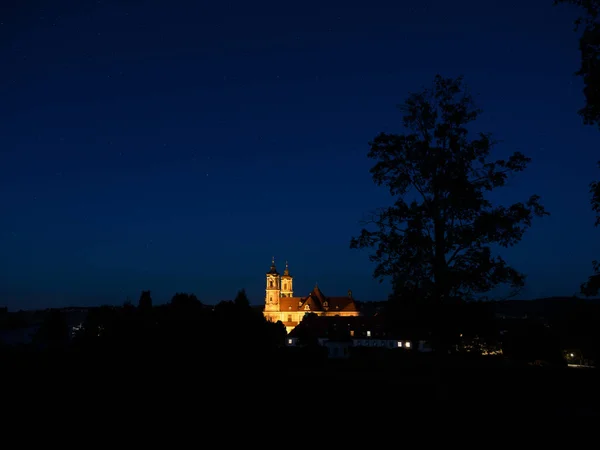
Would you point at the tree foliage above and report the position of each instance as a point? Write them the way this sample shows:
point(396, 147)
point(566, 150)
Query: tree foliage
point(145, 301)
point(589, 47)
point(589, 70)
point(241, 299)
point(592, 286)
point(435, 240)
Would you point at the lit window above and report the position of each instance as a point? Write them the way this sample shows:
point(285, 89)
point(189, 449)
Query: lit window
point(407, 345)
point(306, 307)
point(289, 341)
point(399, 344)
point(368, 334)
point(351, 332)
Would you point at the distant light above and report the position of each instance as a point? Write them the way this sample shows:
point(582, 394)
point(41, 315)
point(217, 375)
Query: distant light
point(289, 341)
point(399, 343)
point(368, 334)
point(407, 345)
point(572, 354)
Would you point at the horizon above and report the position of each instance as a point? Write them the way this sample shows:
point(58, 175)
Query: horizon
point(144, 147)
point(261, 304)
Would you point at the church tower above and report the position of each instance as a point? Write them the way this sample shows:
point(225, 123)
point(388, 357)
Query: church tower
point(273, 289)
point(287, 290)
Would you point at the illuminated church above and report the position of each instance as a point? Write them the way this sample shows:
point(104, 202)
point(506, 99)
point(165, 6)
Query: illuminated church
point(280, 303)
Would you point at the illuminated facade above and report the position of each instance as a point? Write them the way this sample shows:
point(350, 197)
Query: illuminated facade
point(280, 303)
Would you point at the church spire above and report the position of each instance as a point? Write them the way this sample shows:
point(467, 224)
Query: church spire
point(286, 272)
point(287, 282)
point(273, 268)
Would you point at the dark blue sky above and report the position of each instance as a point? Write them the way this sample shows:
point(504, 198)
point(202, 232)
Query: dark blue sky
point(177, 146)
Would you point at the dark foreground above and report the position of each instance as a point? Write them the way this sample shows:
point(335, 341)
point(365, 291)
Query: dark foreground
point(278, 388)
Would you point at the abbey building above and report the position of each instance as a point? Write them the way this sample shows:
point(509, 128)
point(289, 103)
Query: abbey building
point(280, 303)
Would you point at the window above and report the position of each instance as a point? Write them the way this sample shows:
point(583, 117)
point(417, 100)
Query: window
point(285, 286)
point(368, 334)
point(325, 303)
point(290, 341)
point(271, 283)
point(306, 307)
point(399, 343)
point(407, 345)
point(289, 318)
point(352, 333)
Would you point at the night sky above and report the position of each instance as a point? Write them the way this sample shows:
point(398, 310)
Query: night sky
point(178, 146)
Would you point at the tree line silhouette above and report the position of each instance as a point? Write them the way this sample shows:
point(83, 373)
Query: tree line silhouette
point(183, 332)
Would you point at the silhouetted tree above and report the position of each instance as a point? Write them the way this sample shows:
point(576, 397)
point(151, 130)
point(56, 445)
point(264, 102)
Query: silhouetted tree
point(241, 299)
point(182, 323)
point(243, 331)
point(225, 308)
point(275, 333)
point(435, 241)
point(307, 331)
point(592, 286)
point(145, 302)
point(589, 70)
point(185, 303)
point(589, 47)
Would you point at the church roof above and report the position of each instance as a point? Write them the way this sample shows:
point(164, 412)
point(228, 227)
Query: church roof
point(342, 304)
point(317, 301)
point(317, 295)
